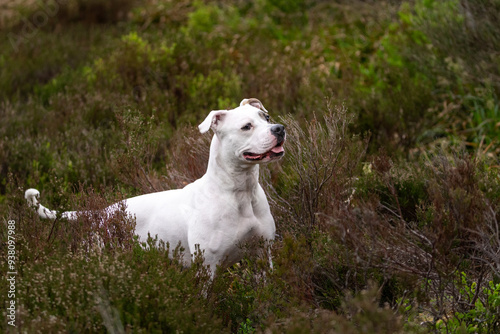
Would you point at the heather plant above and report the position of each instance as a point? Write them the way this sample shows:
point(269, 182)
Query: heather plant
point(386, 202)
point(251, 293)
point(136, 164)
point(429, 247)
point(99, 293)
point(359, 313)
point(398, 225)
point(324, 161)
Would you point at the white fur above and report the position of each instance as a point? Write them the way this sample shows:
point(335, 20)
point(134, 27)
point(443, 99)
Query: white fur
point(225, 207)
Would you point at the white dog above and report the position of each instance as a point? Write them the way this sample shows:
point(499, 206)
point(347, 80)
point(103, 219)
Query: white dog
point(225, 207)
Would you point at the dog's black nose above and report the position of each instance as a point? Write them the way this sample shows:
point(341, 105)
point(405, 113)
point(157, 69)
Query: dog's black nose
point(278, 131)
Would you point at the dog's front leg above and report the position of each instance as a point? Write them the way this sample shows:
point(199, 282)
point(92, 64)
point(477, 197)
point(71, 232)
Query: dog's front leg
point(268, 246)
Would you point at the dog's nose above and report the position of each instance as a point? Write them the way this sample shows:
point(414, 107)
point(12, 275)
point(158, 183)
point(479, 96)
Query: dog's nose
point(278, 131)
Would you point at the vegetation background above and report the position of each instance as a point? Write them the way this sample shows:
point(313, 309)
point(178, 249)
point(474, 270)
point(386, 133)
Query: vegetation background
point(387, 202)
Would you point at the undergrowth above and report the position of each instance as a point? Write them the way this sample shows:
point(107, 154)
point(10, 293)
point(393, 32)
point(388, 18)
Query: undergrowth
point(386, 202)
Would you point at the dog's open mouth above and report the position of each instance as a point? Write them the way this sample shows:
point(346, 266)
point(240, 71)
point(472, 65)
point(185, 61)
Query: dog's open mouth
point(273, 153)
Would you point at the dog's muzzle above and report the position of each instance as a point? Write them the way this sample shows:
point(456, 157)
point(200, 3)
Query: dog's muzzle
point(276, 152)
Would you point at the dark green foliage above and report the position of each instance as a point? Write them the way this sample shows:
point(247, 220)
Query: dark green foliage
point(387, 201)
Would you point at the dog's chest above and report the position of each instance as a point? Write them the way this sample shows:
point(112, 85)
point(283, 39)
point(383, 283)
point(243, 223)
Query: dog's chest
point(248, 219)
point(250, 223)
point(238, 221)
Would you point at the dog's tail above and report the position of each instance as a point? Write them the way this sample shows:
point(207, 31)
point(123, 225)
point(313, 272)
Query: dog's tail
point(32, 196)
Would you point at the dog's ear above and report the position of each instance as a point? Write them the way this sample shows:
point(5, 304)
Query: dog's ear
point(254, 103)
point(212, 121)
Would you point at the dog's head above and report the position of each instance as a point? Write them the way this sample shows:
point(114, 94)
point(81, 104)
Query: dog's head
point(246, 132)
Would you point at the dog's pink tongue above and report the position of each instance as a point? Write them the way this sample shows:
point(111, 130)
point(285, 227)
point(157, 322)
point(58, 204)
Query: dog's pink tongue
point(278, 149)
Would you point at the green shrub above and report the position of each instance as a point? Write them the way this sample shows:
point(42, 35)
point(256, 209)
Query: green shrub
point(457, 53)
point(116, 112)
point(142, 291)
point(482, 309)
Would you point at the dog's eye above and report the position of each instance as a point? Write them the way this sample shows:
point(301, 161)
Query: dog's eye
point(247, 127)
point(267, 118)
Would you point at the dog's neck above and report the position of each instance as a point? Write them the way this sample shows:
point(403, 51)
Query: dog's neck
point(230, 177)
